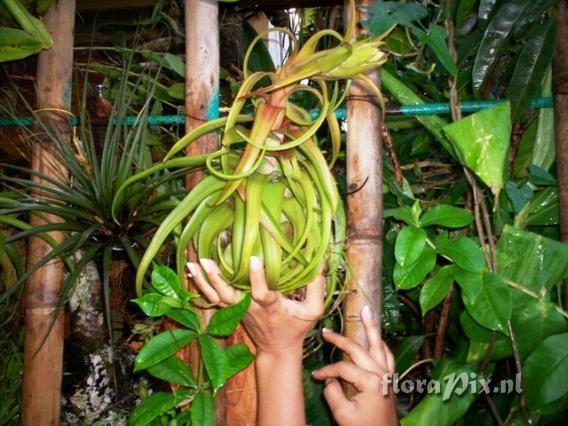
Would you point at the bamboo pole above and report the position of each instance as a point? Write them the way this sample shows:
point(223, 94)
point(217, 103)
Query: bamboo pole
point(236, 406)
point(364, 203)
point(43, 347)
point(560, 89)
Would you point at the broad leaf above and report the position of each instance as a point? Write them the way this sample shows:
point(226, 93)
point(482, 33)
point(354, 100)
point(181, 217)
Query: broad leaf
point(153, 304)
point(518, 196)
point(545, 372)
point(407, 277)
point(531, 260)
point(203, 409)
point(447, 216)
point(409, 245)
point(479, 341)
point(446, 407)
point(385, 14)
point(541, 177)
point(436, 288)
point(481, 142)
point(216, 361)
point(406, 352)
point(225, 320)
point(186, 317)
point(162, 346)
point(464, 252)
point(403, 214)
point(174, 371)
point(485, 8)
point(154, 406)
point(532, 62)
point(487, 298)
point(239, 357)
point(495, 39)
point(436, 40)
point(17, 44)
point(166, 281)
point(541, 210)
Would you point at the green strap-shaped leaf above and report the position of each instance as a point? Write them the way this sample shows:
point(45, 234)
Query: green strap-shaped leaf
point(494, 40)
point(530, 70)
point(481, 142)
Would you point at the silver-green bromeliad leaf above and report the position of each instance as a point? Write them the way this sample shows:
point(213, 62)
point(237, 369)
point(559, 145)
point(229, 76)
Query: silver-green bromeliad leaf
point(481, 142)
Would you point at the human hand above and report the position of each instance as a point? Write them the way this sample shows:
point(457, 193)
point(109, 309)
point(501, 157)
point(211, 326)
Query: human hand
point(374, 403)
point(276, 324)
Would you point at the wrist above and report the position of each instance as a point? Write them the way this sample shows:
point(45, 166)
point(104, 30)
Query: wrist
point(280, 355)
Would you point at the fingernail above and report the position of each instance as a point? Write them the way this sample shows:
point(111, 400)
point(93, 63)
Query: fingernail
point(189, 273)
point(366, 313)
point(193, 269)
point(326, 330)
point(207, 265)
point(255, 263)
point(314, 372)
point(327, 381)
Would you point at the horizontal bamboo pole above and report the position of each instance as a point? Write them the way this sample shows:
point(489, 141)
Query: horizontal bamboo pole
point(436, 108)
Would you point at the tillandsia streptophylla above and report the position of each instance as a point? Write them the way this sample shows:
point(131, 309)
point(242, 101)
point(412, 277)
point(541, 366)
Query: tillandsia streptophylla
point(268, 190)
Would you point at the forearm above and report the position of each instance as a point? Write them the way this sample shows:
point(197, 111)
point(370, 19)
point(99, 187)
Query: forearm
point(280, 388)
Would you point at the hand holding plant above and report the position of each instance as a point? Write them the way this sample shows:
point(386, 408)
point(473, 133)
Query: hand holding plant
point(275, 323)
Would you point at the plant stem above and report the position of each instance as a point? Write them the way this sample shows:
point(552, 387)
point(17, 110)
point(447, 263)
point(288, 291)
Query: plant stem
point(443, 324)
point(387, 139)
point(519, 368)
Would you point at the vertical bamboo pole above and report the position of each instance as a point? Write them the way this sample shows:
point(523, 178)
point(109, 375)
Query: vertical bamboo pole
point(237, 404)
point(364, 202)
point(560, 89)
point(43, 347)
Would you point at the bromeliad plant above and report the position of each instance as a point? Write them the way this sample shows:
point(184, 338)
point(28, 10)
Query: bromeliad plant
point(269, 191)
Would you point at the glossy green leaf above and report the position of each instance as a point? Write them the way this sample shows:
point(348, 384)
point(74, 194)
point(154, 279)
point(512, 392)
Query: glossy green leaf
point(225, 320)
point(541, 177)
point(203, 409)
point(436, 288)
point(385, 14)
point(533, 14)
point(153, 305)
point(409, 245)
point(485, 8)
point(532, 62)
point(479, 341)
point(162, 346)
point(154, 406)
point(215, 359)
point(435, 39)
point(406, 352)
point(481, 141)
point(166, 281)
point(464, 252)
point(518, 196)
point(447, 216)
point(495, 39)
point(403, 214)
point(173, 370)
point(410, 276)
point(541, 210)
point(239, 357)
point(545, 372)
point(446, 407)
point(544, 150)
point(531, 260)
point(186, 317)
point(487, 298)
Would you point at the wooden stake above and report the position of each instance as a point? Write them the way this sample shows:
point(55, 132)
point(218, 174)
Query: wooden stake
point(43, 347)
point(560, 89)
point(236, 406)
point(364, 203)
